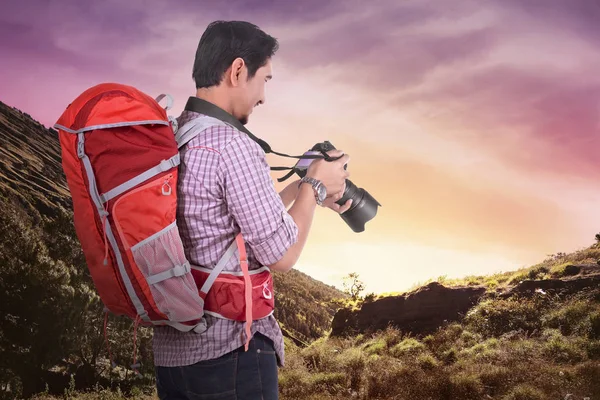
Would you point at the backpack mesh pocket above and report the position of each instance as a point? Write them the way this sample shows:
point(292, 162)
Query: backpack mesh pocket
point(146, 217)
point(162, 261)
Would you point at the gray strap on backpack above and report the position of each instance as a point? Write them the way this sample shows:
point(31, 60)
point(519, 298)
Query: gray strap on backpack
point(192, 128)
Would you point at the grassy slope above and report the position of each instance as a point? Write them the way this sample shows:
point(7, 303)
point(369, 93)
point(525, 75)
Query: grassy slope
point(543, 347)
point(555, 266)
point(538, 348)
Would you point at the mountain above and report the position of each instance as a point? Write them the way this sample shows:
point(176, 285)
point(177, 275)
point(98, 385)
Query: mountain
point(30, 164)
point(51, 316)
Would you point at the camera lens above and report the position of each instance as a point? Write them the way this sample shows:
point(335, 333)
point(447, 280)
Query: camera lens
point(363, 208)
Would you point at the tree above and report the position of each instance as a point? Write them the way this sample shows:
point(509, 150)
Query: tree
point(36, 300)
point(52, 314)
point(353, 286)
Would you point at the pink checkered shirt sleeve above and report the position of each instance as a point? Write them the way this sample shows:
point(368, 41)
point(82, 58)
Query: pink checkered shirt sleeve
point(256, 207)
point(225, 187)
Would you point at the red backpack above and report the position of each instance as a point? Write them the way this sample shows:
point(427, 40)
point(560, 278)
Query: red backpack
point(121, 158)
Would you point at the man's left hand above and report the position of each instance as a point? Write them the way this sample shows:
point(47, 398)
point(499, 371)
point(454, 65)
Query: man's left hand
point(330, 202)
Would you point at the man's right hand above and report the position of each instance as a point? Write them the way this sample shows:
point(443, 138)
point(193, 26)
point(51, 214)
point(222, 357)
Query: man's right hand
point(331, 173)
point(333, 176)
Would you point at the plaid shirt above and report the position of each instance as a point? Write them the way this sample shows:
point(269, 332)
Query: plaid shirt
point(224, 186)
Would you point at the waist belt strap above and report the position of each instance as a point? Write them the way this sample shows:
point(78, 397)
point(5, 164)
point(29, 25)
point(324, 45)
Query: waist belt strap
point(247, 286)
point(218, 269)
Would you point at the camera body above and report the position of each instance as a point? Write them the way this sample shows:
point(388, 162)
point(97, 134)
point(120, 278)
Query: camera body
point(318, 149)
point(364, 206)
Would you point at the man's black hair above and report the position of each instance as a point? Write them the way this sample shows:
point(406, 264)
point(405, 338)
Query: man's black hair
point(223, 42)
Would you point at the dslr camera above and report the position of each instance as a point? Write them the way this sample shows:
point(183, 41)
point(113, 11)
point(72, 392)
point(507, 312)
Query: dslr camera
point(364, 206)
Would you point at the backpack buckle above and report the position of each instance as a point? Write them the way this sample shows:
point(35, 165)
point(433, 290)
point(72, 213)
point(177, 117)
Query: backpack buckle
point(81, 146)
point(164, 192)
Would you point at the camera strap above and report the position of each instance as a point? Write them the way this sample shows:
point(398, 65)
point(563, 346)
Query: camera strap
point(201, 106)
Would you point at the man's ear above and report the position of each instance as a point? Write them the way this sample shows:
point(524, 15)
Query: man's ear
point(238, 72)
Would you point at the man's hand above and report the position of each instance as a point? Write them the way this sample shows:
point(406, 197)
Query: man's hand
point(330, 202)
point(332, 174)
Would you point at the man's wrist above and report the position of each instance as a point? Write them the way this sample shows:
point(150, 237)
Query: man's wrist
point(320, 192)
point(308, 189)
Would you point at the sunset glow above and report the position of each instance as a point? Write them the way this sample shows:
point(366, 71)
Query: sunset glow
point(475, 126)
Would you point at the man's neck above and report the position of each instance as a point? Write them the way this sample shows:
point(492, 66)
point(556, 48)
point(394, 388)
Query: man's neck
point(216, 97)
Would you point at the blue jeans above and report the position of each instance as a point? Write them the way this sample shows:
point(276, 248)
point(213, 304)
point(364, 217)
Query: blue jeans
point(238, 375)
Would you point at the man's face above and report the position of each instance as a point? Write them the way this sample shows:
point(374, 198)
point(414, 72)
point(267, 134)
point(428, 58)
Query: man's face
point(251, 92)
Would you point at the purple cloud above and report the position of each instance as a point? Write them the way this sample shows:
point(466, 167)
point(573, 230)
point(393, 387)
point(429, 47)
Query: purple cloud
point(85, 36)
point(555, 120)
point(577, 16)
point(381, 46)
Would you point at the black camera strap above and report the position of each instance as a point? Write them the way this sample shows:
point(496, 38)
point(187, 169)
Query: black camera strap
point(201, 106)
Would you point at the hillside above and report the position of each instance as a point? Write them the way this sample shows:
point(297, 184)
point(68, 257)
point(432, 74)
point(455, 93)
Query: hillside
point(531, 334)
point(52, 318)
point(518, 342)
point(30, 171)
point(423, 310)
point(304, 306)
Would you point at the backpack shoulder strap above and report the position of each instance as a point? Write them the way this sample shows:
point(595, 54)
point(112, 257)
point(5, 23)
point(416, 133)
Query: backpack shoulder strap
point(195, 126)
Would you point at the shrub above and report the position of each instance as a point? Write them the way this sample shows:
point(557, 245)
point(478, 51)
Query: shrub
point(427, 362)
point(294, 378)
point(561, 349)
point(444, 338)
point(466, 386)
point(538, 272)
point(572, 318)
point(486, 350)
point(525, 392)
point(492, 283)
point(595, 325)
point(593, 349)
point(319, 355)
point(468, 338)
point(587, 374)
point(449, 356)
point(375, 346)
point(406, 348)
point(517, 278)
point(497, 317)
point(384, 376)
point(391, 336)
point(332, 382)
point(520, 349)
point(494, 377)
point(353, 362)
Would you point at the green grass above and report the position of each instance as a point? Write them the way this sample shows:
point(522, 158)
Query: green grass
point(555, 266)
point(505, 349)
point(543, 347)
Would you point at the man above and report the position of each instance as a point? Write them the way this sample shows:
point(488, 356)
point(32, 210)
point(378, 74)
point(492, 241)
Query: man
point(225, 187)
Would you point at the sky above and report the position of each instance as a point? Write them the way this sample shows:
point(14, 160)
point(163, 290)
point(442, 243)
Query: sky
point(474, 123)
